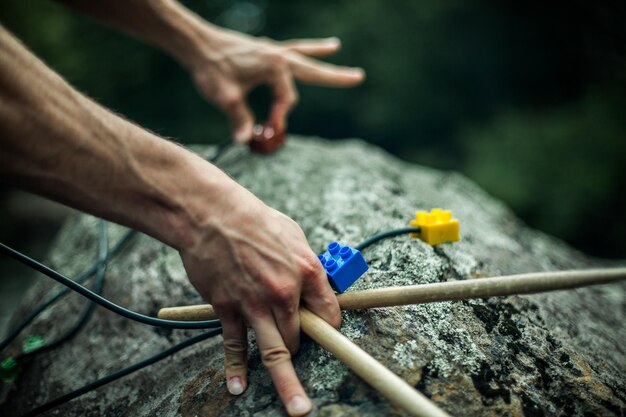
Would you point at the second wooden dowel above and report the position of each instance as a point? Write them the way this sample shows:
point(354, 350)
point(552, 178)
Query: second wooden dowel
point(390, 385)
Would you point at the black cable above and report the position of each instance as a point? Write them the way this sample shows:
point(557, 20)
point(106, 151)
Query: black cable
point(152, 321)
point(222, 147)
point(383, 235)
point(122, 372)
point(81, 278)
point(103, 252)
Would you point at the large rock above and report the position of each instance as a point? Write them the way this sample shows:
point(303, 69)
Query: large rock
point(555, 354)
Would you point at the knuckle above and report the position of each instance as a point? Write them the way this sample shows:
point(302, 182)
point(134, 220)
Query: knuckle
point(329, 300)
point(329, 303)
point(311, 267)
point(235, 362)
point(285, 295)
point(288, 310)
point(335, 316)
point(335, 320)
point(235, 347)
point(275, 356)
point(235, 355)
point(236, 368)
point(291, 225)
point(230, 99)
point(222, 305)
point(255, 309)
point(278, 60)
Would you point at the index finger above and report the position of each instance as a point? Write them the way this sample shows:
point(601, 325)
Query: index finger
point(311, 71)
point(313, 47)
point(277, 361)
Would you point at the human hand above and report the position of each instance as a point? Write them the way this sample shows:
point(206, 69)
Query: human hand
point(230, 64)
point(254, 265)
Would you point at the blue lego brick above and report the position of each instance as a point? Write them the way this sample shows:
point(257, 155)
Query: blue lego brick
point(343, 265)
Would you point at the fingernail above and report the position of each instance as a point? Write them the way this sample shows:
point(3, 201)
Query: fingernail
point(235, 386)
point(242, 135)
point(298, 405)
point(333, 40)
point(357, 71)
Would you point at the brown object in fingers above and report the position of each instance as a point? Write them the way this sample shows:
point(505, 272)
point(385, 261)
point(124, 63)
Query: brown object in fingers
point(266, 139)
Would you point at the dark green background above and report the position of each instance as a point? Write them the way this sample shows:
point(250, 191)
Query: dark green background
point(526, 98)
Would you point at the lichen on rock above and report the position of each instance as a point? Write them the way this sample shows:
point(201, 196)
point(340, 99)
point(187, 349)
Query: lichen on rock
point(556, 354)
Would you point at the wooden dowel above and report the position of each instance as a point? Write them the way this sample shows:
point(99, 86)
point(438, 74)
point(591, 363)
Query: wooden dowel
point(198, 312)
point(479, 288)
point(390, 385)
point(444, 291)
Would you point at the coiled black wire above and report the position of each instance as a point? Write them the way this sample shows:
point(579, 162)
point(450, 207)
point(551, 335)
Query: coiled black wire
point(90, 307)
point(81, 278)
point(85, 292)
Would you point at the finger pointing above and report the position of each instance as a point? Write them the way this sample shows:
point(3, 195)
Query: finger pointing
point(277, 361)
point(314, 47)
point(235, 354)
point(310, 71)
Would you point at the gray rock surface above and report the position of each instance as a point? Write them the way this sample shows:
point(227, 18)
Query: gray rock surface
point(555, 354)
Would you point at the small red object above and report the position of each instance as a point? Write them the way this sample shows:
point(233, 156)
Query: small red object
point(266, 139)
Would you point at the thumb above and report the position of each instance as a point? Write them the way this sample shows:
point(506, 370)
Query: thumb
point(285, 98)
point(241, 120)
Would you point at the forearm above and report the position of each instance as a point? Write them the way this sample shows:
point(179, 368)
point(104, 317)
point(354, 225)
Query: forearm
point(164, 23)
point(57, 142)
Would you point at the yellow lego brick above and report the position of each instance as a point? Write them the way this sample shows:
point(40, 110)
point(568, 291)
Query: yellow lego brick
point(436, 227)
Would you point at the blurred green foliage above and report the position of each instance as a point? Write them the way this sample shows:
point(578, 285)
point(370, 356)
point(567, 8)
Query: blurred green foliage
point(561, 168)
point(527, 98)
